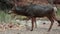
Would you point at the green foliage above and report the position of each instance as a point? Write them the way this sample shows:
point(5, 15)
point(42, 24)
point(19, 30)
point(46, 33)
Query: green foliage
point(4, 17)
point(58, 12)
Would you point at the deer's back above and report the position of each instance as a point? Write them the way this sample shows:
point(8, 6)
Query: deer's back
point(39, 10)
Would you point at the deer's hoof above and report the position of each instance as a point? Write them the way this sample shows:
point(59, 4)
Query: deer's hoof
point(31, 30)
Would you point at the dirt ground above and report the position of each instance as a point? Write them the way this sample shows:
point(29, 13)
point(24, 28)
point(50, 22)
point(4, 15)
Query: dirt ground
point(41, 29)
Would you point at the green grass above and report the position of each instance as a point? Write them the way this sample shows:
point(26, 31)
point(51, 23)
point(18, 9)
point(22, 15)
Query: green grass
point(4, 17)
point(58, 12)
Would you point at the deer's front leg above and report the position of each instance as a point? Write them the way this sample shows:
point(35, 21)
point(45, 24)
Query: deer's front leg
point(33, 19)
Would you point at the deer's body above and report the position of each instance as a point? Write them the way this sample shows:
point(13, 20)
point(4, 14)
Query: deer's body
point(34, 10)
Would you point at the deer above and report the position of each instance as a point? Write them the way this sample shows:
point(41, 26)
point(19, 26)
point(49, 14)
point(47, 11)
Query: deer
point(33, 11)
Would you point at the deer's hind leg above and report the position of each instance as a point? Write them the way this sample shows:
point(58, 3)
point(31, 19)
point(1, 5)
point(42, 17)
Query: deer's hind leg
point(52, 21)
